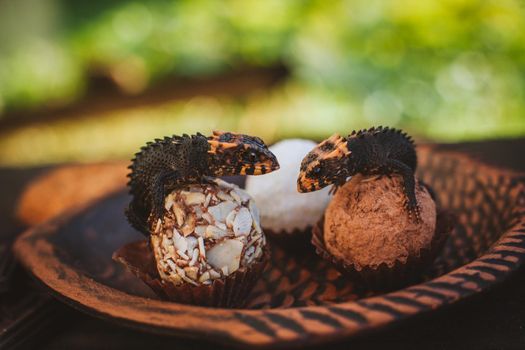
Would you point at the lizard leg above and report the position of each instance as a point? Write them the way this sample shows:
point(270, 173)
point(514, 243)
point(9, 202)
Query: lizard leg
point(138, 221)
point(409, 185)
point(158, 192)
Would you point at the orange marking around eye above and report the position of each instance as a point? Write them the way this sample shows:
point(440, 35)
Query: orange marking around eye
point(225, 145)
point(338, 153)
point(216, 134)
point(335, 138)
point(216, 145)
point(340, 148)
point(310, 167)
point(243, 170)
point(213, 146)
point(305, 184)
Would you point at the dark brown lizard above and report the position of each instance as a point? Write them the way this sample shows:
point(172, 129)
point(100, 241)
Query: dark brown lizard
point(174, 162)
point(376, 151)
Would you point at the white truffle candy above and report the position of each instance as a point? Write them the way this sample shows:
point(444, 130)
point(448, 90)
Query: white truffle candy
point(281, 207)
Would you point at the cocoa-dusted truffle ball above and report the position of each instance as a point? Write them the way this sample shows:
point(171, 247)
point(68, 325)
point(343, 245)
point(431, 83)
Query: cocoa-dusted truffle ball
point(209, 232)
point(366, 223)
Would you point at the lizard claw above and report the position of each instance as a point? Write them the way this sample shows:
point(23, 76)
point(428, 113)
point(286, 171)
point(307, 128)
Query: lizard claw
point(333, 190)
point(157, 213)
point(208, 180)
point(155, 222)
point(336, 186)
point(414, 211)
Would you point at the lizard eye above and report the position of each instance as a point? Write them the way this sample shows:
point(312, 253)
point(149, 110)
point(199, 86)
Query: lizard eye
point(252, 156)
point(317, 171)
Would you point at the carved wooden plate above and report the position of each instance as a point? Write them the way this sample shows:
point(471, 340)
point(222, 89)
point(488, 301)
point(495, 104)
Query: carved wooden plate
point(300, 300)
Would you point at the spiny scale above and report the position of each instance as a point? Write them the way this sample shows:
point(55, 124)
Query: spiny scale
point(380, 129)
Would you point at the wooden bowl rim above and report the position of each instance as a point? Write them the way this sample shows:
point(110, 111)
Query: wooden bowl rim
point(276, 327)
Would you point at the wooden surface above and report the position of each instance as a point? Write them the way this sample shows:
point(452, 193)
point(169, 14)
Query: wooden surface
point(92, 325)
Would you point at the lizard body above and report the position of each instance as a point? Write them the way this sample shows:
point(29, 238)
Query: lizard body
point(166, 164)
point(376, 151)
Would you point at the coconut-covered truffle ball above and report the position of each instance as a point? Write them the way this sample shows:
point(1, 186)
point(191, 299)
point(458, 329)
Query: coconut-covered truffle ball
point(209, 231)
point(366, 223)
point(282, 208)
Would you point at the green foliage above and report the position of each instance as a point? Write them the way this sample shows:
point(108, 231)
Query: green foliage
point(449, 69)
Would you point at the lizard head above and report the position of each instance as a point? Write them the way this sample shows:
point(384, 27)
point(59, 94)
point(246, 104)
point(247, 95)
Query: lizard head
point(238, 154)
point(324, 165)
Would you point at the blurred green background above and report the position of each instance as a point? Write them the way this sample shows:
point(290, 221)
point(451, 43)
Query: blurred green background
point(93, 80)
